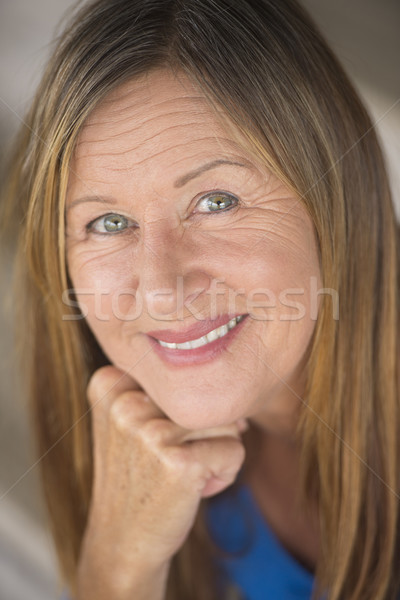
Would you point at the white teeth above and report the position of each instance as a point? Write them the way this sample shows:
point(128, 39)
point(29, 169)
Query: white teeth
point(224, 330)
point(200, 342)
point(185, 345)
point(205, 339)
point(167, 345)
point(213, 335)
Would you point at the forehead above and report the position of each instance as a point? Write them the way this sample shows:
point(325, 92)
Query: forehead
point(161, 116)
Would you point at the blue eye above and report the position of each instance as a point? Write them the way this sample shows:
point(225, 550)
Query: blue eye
point(217, 202)
point(111, 223)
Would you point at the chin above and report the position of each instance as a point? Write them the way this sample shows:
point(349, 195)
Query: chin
point(200, 411)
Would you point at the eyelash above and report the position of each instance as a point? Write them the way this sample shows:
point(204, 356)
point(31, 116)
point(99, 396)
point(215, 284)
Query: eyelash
point(90, 227)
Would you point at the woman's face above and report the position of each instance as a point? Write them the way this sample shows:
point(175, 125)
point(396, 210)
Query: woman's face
point(172, 226)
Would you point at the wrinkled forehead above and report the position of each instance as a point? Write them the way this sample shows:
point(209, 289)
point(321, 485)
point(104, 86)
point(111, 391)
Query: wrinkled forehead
point(154, 113)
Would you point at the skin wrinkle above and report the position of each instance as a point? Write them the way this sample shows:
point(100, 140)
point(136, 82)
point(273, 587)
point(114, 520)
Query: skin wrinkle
point(170, 239)
point(288, 243)
point(144, 123)
point(193, 174)
point(125, 152)
point(129, 132)
point(130, 107)
point(93, 183)
point(229, 156)
point(113, 201)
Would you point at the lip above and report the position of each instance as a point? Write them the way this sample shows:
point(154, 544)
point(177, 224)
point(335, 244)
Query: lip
point(193, 332)
point(194, 356)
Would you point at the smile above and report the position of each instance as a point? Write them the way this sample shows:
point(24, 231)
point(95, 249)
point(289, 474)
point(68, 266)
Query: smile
point(213, 335)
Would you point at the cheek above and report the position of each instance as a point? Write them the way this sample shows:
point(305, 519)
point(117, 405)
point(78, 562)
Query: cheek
point(275, 275)
point(104, 290)
point(268, 273)
point(252, 374)
point(261, 272)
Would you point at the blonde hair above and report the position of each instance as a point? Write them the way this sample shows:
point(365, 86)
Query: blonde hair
point(266, 65)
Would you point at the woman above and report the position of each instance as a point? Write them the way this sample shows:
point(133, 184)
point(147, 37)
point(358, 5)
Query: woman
point(200, 187)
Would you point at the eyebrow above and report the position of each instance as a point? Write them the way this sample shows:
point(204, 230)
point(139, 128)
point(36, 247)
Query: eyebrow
point(101, 199)
point(180, 182)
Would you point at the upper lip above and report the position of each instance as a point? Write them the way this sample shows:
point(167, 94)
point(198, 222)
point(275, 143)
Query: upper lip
point(193, 332)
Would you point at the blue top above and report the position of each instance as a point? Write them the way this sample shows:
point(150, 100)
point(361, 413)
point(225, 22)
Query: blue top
point(255, 563)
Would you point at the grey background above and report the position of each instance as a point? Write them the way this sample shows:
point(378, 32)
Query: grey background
point(364, 34)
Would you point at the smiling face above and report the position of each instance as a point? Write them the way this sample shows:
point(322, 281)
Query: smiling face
point(172, 226)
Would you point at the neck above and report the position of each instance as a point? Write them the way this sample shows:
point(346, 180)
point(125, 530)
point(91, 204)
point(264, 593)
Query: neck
point(272, 472)
point(273, 458)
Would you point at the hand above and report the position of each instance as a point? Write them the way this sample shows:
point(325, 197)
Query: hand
point(149, 477)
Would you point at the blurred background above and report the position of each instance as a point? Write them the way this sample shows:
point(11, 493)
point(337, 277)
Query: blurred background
point(364, 34)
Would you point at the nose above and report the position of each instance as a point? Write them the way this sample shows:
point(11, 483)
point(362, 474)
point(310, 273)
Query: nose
point(169, 280)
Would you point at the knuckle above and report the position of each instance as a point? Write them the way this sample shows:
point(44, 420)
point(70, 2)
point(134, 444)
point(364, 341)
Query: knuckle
point(109, 382)
point(129, 413)
point(132, 400)
point(101, 383)
point(121, 414)
point(176, 458)
point(196, 469)
point(155, 431)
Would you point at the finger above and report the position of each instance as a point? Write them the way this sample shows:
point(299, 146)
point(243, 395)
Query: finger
point(132, 411)
point(233, 430)
point(159, 430)
point(221, 459)
point(107, 383)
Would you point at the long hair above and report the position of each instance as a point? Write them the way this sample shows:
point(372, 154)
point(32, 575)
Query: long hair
point(265, 65)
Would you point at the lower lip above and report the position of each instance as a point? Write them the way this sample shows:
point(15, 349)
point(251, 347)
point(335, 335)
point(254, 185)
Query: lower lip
point(195, 356)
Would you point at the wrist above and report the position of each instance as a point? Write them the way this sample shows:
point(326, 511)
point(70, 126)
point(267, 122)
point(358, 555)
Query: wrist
point(140, 580)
